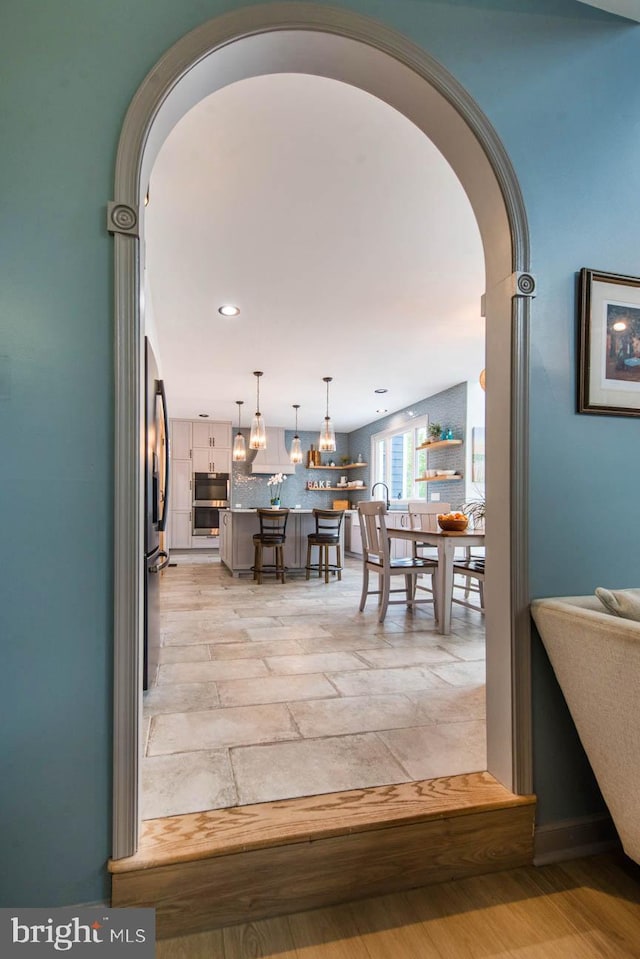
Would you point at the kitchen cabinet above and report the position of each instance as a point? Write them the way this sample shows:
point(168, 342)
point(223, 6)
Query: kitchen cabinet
point(394, 520)
point(205, 542)
point(226, 538)
point(180, 439)
point(238, 527)
point(355, 536)
point(206, 459)
point(181, 483)
point(196, 447)
point(215, 435)
point(180, 529)
point(211, 447)
point(399, 548)
point(243, 552)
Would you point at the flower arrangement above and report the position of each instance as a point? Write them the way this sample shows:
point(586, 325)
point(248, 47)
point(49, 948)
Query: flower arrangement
point(276, 482)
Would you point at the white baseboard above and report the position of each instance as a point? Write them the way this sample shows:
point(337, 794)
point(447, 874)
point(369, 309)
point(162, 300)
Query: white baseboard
point(572, 838)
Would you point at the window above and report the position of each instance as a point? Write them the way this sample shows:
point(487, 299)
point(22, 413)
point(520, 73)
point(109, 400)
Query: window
point(396, 461)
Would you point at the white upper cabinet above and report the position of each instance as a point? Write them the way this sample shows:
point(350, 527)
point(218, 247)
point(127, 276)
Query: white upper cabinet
point(180, 439)
point(211, 435)
point(207, 446)
point(211, 450)
point(209, 460)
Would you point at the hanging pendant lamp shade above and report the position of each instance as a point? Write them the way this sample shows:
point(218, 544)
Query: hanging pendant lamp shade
point(327, 441)
point(239, 448)
point(258, 437)
point(295, 453)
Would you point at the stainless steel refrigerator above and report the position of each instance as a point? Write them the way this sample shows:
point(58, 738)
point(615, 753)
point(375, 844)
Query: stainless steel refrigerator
point(156, 493)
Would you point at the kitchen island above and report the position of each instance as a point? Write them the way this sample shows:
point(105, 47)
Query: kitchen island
point(236, 539)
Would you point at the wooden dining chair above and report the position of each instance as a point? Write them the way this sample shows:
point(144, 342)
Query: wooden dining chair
point(376, 558)
point(469, 565)
point(424, 515)
point(471, 568)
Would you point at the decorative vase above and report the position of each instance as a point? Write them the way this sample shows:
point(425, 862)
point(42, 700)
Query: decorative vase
point(275, 503)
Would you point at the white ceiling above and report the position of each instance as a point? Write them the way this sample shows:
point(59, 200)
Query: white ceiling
point(340, 232)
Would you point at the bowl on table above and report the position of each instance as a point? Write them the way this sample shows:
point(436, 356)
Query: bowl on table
point(453, 524)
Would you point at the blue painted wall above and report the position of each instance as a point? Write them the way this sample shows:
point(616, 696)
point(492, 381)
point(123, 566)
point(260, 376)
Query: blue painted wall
point(557, 79)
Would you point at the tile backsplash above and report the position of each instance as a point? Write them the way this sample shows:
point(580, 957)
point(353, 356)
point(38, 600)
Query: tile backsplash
point(250, 489)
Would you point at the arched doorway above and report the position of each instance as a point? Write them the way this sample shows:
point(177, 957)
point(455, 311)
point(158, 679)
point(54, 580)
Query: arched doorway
point(344, 46)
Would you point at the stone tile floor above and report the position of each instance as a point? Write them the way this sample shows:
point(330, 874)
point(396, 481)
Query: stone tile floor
point(276, 691)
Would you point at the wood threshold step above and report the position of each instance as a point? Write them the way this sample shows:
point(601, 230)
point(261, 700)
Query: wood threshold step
point(219, 832)
point(207, 870)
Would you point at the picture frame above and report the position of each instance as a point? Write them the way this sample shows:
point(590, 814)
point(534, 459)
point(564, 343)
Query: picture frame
point(477, 454)
point(608, 344)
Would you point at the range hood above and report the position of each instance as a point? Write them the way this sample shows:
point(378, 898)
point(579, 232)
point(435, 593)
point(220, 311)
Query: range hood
point(275, 459)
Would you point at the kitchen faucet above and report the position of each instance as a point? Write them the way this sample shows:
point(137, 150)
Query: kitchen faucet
point(387, 491)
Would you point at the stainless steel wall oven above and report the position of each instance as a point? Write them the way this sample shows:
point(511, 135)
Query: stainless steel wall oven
point(206, 521)
point(210, 495)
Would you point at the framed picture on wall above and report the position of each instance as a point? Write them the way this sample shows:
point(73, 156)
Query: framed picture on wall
point(609, 344)
point(477, 454)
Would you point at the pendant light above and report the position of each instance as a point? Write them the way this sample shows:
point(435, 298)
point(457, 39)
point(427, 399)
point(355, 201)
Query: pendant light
point(295, 453)
point(258, 437)
point(327, 441)
point(239, 448)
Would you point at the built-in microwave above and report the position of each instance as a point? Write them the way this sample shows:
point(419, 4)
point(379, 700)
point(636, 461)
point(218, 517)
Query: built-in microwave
point(211, 489)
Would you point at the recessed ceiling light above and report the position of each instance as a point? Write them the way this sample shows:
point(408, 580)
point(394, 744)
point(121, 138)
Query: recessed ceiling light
point(382, 411)
point(382, 390)
point(205, 416)
point(229, 310)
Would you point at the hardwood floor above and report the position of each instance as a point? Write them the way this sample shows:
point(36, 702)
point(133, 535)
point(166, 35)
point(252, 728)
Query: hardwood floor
point(215, 869)
point(586, 909)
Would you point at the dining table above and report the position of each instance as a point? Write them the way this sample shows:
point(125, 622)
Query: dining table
point(446, 542)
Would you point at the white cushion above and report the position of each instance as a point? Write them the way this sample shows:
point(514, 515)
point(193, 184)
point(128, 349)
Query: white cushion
point(621, 602)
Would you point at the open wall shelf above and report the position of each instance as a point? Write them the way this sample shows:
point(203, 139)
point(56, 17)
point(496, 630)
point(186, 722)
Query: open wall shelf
point(336, 489)
point(439, 445)
point(348, 466)
point(437, 479)
point(431, 447)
